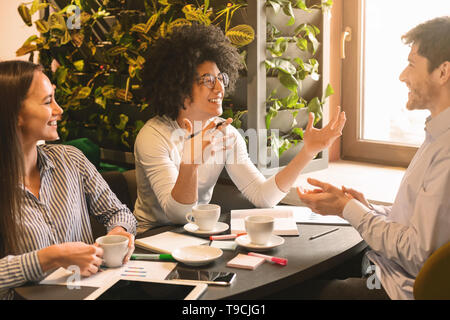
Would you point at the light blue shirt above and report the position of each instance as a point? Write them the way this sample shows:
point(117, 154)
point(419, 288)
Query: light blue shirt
point(403, 236)
point(71, 190)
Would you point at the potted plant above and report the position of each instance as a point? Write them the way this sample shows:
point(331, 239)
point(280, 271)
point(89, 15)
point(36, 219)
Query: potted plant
point(293, 73)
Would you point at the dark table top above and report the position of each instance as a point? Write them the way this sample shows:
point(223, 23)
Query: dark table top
point(306, 259)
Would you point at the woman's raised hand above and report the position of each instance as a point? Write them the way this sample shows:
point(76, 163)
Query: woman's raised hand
point(199, 147)
point(315, 140)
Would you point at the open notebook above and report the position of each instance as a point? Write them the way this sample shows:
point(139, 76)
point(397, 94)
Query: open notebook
point(284, 220)
point(167, 242)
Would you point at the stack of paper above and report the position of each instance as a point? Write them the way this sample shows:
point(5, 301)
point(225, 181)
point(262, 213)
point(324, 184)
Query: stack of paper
point(167, 242)
point(284, 220)
point(244, 261)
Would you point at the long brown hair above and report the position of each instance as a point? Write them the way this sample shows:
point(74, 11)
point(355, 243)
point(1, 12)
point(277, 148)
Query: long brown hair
point(15, 81)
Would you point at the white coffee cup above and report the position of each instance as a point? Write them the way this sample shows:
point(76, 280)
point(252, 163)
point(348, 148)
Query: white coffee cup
point(205, 216)
point(259, 228)
point(115, 247)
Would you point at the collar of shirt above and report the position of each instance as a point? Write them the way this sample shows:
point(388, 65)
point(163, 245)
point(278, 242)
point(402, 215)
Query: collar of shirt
point(438, 125)
point(44, 161)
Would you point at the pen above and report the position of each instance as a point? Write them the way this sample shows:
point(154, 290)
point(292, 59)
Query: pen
point(281, 261)
point(215, 128)
point(322, 234)
point(226, 236)
point(153, 257)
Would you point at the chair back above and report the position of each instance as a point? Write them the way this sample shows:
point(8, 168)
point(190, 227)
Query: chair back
point(433, 280)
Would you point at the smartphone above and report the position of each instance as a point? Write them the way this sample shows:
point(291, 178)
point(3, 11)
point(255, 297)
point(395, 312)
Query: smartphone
point(217, 278)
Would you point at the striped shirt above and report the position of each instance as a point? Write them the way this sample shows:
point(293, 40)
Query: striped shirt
point(71, 190)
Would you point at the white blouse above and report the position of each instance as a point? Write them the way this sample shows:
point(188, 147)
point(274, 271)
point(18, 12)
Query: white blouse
point(158, 155)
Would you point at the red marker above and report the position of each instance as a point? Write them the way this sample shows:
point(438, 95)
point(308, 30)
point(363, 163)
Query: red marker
point(276, 260)
point(227, 236)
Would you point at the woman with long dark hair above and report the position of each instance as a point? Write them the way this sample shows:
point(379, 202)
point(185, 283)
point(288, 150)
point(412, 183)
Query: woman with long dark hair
point(47, 192)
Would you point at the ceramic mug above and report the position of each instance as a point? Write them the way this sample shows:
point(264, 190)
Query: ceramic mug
point(115, 248)
point(259, 228)
point(205, 216)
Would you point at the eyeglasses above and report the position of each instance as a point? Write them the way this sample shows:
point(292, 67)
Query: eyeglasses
point(209, 80)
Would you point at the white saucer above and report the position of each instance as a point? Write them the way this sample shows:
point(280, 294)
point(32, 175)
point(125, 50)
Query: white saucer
point(244, 241)
point(193, 228)
point(197, 255)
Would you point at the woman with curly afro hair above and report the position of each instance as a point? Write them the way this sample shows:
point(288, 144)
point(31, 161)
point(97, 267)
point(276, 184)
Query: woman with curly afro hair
point(181, 152)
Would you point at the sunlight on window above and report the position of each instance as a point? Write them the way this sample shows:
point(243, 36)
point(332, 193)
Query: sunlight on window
point(385, 117)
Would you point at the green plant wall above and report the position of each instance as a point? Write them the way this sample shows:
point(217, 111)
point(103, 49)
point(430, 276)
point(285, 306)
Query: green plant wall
point(94, 53)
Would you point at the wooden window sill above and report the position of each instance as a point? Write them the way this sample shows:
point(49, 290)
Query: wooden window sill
point(378, 183)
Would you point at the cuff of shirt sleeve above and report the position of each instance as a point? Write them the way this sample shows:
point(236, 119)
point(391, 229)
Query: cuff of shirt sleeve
point(176, 212)
point(129, 228)
point(354, 212)
point(31, 267)
point(272, 193)
point(125, 220)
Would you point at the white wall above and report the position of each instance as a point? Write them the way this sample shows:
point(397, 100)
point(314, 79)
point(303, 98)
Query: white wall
point(13, 31)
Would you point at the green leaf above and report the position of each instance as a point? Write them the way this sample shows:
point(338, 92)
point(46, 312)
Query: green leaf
point(61, 75)
point(291, 21)
point(299, 132)
point(288, 81)
point(227, 113)
point(287, 9)
point(83, 93)
point(285, 145)
point(302, 44)
point(284, 66)
point(290, 101)
point(42, 26)
point(138, 125)
point(79, 65)
point(109, 91)
point(301, 5)
point(316, 107)
point(101, 101)
point(329, 91)
point(269, 116)
point(315, 43)
point(123, 138)
point(25, 14)
point(123, 122)
point(279, 47)
point(276, 6)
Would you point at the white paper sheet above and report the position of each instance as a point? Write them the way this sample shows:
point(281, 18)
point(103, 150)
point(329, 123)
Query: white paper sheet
point(145, 269)
point(284, 220)
point(306, 216)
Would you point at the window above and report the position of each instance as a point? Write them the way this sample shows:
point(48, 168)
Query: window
point(379, 128)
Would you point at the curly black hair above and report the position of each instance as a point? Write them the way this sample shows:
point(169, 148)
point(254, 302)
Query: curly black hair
point(171, 67)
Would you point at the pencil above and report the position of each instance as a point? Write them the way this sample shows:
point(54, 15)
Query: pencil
point(215, 128)
point(322, 234)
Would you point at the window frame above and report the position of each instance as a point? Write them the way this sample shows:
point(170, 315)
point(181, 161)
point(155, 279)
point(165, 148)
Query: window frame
point(353, 146)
